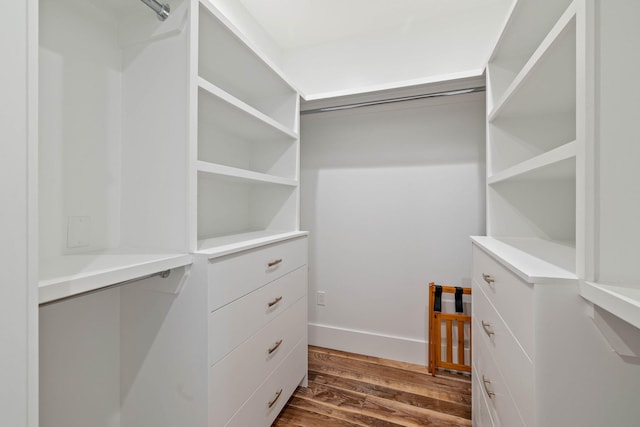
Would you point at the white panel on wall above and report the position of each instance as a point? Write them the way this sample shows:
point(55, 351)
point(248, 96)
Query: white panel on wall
point(390, 195)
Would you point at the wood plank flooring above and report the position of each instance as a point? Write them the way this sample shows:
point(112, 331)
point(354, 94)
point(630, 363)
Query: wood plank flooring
point(347, 389)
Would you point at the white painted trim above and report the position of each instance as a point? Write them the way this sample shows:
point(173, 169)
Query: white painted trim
point(369, 343)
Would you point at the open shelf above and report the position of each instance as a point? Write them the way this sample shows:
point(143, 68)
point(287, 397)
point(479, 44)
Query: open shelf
point(70, 275)
point(228, 61)
point(534, 208)
point(217, 246)
point(238, 104)
point(245, 142)
point(227, 205)
point(533, 260)
point(558, 163)
point(621, 301)
point(243, 175)
point(526, 27)
point(547, 82)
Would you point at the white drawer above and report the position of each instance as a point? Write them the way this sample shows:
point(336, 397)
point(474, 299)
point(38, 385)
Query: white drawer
point(511, 297)
point(235, 275)
point(481, 416)
point(514, 365)
point(501, 405)
point(232, 324)
point(276, 390)
point(240, 373)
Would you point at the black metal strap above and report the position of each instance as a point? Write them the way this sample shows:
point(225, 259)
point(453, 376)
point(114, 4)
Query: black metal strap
point(437, 299)
point(459, 300)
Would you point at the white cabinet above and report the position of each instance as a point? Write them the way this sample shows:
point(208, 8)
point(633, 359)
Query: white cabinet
point(257, 330)
point(244, 139)
point(539, 356)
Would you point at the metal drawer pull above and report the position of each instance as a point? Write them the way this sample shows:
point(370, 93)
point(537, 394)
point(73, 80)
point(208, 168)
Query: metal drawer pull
point(275, 398)
point(487, 278)
point(274, 262)
point(486, 326)
point(485, 382)
point(274, 302)
point(275, 346)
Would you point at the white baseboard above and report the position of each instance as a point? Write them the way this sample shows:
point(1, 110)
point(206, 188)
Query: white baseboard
point(369, 343)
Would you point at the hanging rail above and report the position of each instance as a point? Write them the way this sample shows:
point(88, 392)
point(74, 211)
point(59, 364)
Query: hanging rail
point(164, 274)
point(392, 100)
point(162, 10)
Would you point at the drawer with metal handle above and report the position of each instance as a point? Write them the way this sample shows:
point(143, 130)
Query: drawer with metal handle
point(511, 297)
point(234, 323)
point(514, 364)
point(236, 376)
point(233, 276)
point(489, 381)
point(264, 405)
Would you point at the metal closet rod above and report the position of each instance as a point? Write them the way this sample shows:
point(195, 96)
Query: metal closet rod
point(162, 10)
point(393, 100)
point(164, 274)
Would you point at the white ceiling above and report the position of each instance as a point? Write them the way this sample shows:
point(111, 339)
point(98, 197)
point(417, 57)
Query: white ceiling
point(298, 23)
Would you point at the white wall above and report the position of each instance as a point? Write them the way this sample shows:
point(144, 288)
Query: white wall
point(390, 195)
point(18, 305)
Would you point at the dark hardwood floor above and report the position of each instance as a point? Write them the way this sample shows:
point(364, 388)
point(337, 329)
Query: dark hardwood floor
point(347, 389)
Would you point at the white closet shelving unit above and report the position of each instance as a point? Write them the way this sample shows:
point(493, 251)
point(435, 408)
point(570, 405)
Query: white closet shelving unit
point(245, 143)
point(112, 150)
point(533, 154)
point(550, 235)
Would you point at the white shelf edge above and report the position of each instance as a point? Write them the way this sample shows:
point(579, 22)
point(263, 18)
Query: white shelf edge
point(216, 247)
point(621, 301)
point(243, 174)
point(533, 62)
point(126, 267)
point(240, 105)
point(523, 264)
point(564, 152)
point(218, 14)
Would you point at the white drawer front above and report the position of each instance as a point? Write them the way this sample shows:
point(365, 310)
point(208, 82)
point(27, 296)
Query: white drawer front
point(257, 412)
point(514, 365)
point(234, 323)
point(237, 376)
point(511, 297)
point(501, 405)
point(481, 416)
point(233, 276)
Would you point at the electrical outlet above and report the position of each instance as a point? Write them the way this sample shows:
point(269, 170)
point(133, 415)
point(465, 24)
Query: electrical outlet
point(78, 228)
point(320, 297)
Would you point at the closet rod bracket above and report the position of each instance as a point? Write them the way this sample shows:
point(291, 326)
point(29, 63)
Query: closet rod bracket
point(162, 10)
